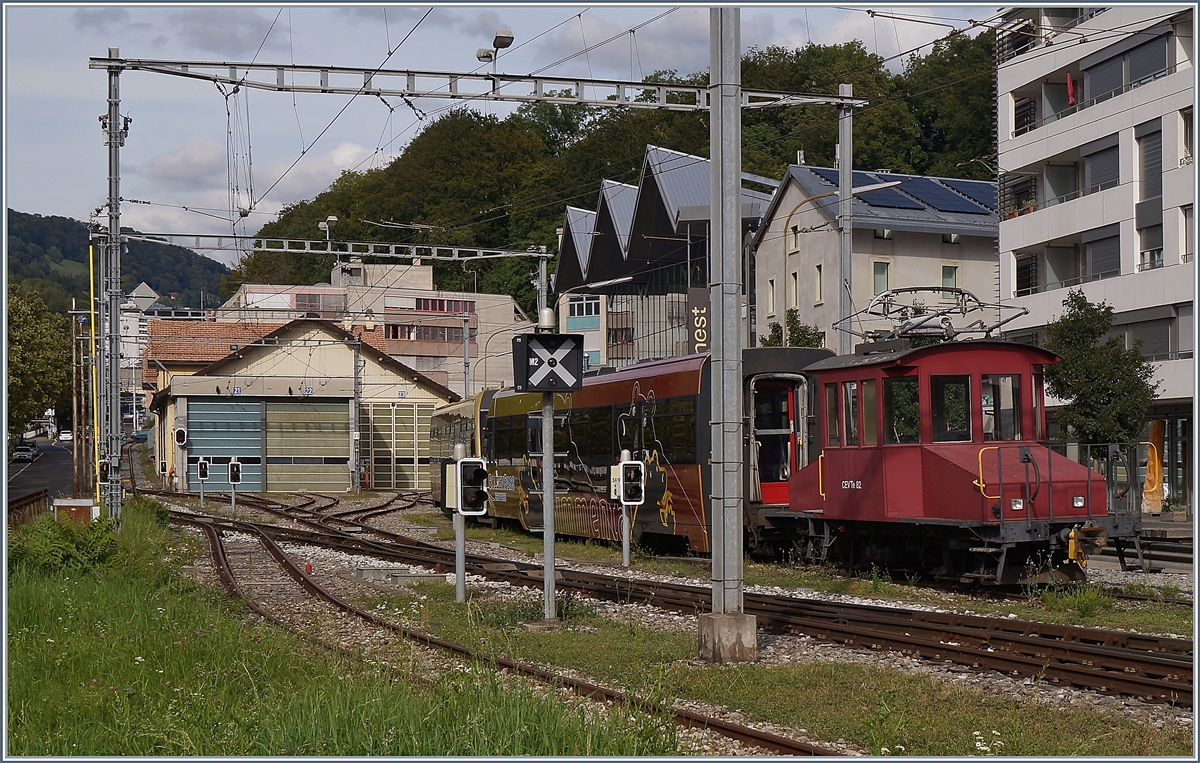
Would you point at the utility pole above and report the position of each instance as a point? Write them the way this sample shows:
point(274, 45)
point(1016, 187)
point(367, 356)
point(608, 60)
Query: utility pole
point(546, 324)
point(74, 403)
point(355, 414)
point(845, 215)
point(727, 634)
point(115, 131)
point(466, 319)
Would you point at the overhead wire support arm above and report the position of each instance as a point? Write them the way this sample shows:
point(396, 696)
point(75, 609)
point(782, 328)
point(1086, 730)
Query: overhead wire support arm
point(226, 242)
point(407, 83)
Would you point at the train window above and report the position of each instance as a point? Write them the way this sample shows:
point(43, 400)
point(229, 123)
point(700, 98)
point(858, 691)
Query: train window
point(870, 435)
point(1001, 407)
point(673, 430)
point(592, 430)
point(832, 432)
point(901, 411)
point(951, 408)
point(850, 402)
point(1038, 434)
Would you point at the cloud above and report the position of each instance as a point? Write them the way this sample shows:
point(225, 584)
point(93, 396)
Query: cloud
point(312, 175)
point(233, 31)
point(200, 164)
point(99, 19)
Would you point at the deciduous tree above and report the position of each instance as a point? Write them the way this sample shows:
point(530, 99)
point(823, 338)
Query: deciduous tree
point(39, 358)
point(1108, 388)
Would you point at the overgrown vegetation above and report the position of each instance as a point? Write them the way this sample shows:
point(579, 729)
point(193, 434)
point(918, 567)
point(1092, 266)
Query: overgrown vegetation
point(887, 711)
point(115, 653)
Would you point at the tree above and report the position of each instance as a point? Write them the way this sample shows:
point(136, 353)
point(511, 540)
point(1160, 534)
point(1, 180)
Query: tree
point(1107, 387)
point(774, 337)
point(798, 334)
point(39, 358)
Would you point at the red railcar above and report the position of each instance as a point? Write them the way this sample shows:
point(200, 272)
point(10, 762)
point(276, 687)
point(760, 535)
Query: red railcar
point(935, 460)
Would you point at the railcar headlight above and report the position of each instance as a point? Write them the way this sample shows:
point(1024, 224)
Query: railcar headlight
point(1077, 501)
point(1017, 504)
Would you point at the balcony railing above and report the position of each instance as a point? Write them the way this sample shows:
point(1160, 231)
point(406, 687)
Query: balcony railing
point(1151, 259)
point(1080, 193)
point(1033, 125)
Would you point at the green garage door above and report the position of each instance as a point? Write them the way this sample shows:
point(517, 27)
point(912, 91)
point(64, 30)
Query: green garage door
point(219, 430)
point(308, 446)
point(395, 445)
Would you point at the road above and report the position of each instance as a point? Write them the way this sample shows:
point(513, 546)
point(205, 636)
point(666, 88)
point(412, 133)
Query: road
point(51, 470)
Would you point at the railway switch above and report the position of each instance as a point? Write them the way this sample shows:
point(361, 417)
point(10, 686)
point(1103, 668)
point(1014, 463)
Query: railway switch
point(633, 483)
point(472, 487)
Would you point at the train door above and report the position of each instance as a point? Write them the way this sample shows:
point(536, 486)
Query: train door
point(777, 427)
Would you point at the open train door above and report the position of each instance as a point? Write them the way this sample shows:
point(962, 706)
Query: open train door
point(777, 422)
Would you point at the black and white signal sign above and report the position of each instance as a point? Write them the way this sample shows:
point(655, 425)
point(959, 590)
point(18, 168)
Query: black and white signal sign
point(547, 362)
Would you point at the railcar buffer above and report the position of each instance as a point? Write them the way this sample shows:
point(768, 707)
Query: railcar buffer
point(548, 362)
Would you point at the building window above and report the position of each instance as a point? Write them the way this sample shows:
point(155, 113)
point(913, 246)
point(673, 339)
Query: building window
point(431, 333)
point(392, 331)
point(1027, 281)
point(795, 237)
point(1186, 116)
point(795, 289)
point(1150, 248)
point(430, 305)
point(949, 280)
point(1150, 161)
point(880, 275)
point(1102, 170)
point(1155, 338)
point(1103, 258)
point(584, 306)
point(1189, 234)
point(818, 286)
point(770, 296)
point(950, 238)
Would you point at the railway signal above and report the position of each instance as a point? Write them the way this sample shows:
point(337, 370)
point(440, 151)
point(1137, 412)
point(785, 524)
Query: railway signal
point(633, 483)
point(202, 470)
point(103, 472)
point(472, 487)
point(548, 362)
point(181, 437)
point(235, 473)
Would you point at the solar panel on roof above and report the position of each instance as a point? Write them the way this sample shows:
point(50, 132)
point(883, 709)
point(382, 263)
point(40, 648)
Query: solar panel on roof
point(979, 190)
point(940, 198)
point(885, 198)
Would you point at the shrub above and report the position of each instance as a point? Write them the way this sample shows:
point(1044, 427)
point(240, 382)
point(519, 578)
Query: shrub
point(48, 546)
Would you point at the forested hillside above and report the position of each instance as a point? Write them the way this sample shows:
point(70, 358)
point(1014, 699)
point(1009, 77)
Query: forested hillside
point(49, 255)
point(479, 180)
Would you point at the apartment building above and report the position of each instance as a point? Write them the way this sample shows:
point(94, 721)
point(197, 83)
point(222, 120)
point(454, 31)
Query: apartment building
point(1096, 139)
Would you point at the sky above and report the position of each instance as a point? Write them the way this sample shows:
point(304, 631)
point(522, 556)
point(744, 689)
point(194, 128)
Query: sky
point(193, 152)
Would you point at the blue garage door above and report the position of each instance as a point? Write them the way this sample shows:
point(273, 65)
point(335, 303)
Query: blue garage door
point(219, 430)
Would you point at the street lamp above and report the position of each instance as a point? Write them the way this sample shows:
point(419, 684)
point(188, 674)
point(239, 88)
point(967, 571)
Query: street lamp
point(327, 225)
point(502, 40)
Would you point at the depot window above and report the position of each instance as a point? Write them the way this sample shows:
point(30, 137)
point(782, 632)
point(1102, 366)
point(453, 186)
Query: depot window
point(901, 411)
point(1001, 407)
point(950, 406)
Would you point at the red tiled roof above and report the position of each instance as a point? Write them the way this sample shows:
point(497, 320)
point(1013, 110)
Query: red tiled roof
point(197, 342)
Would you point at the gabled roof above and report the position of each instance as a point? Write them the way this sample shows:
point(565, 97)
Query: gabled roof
point(575, 250)
point(684, 184)
point(919, 203)
point(618, 201)
point(338, 332)
point(194, 342)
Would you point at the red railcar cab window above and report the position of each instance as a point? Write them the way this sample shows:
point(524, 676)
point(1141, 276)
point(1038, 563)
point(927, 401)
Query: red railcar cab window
point(950, 406)
point(1001, 407)
point(1039, 432)
point(870, 411)
point(901, 411)
point(850, 402)
point(832, 432)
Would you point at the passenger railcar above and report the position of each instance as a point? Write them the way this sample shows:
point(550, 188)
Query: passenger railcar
point(660, 412)
point(935, 460)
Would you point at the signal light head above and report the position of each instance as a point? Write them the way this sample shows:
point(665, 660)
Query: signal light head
point(472, 487)
point(633, 483)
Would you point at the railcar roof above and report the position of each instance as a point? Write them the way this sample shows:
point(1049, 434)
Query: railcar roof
point(913, 355)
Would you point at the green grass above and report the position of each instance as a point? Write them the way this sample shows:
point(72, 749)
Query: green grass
point(122, 656)
point(873, 707)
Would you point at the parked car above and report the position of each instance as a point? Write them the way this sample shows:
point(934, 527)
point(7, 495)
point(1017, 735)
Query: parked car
point(24, 453)
point(141, 435)
point(65, 436)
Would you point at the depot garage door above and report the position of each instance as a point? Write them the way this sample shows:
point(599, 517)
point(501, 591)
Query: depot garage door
point(219, 430)
point(395, 445)
point(308, 445)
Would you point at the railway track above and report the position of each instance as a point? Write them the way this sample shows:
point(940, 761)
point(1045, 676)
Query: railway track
point(1157, 669)
point(232, 569)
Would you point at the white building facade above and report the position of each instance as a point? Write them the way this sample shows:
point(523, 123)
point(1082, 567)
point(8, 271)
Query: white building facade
point(1097, 185)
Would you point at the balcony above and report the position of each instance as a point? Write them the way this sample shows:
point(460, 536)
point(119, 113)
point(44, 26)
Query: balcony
point(1032, 124)
point(1151, 259)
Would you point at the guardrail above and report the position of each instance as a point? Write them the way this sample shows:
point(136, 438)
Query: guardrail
point(26, 507)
